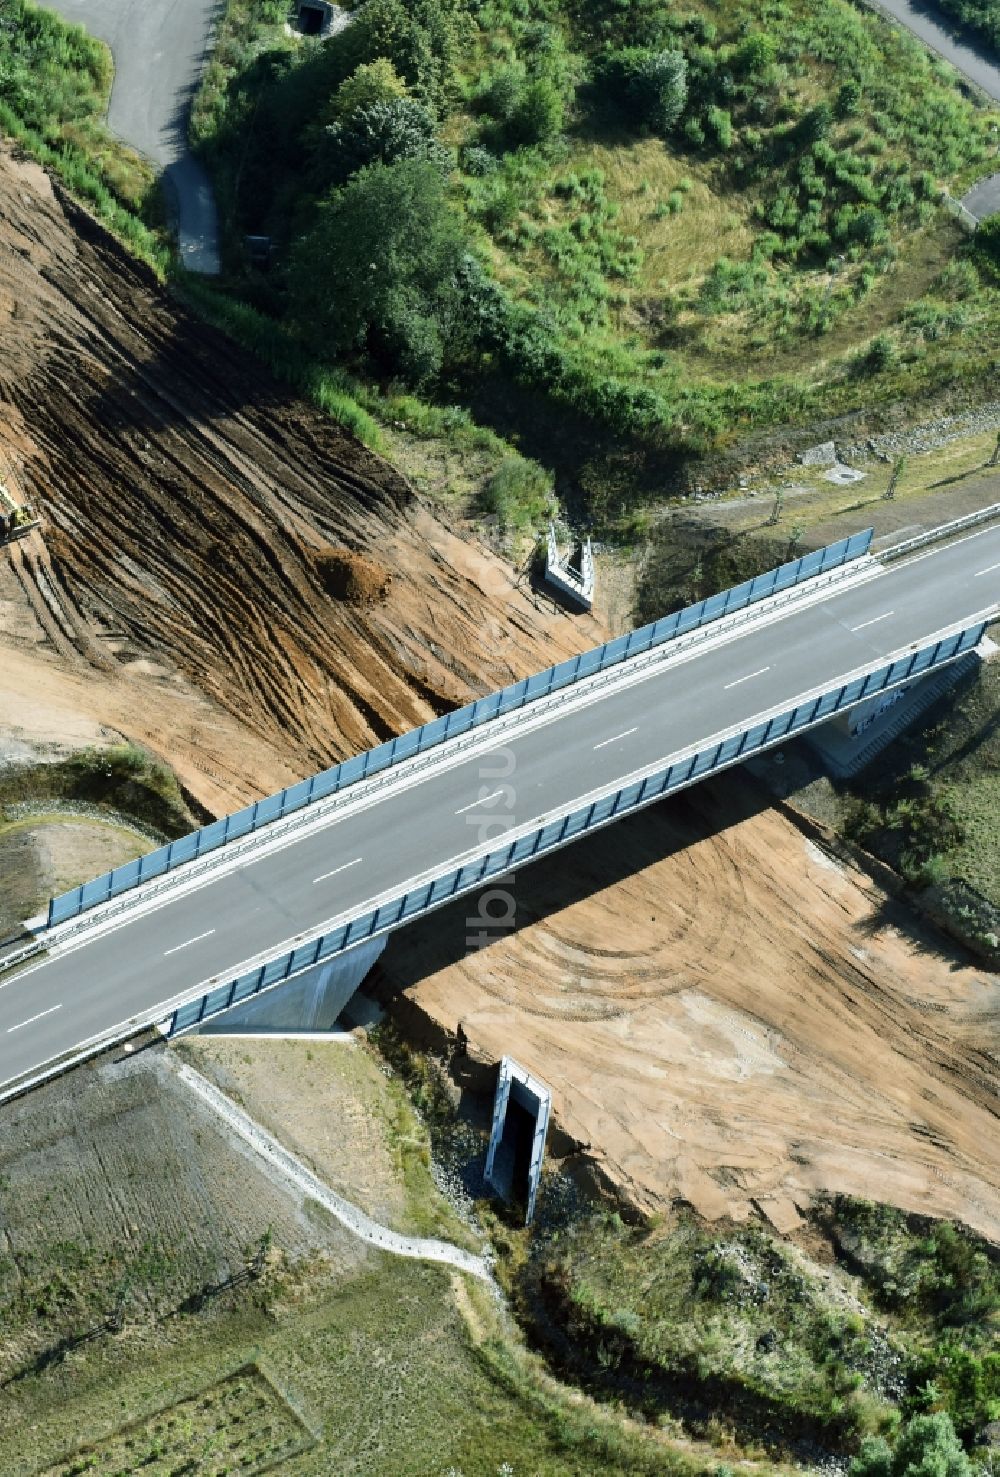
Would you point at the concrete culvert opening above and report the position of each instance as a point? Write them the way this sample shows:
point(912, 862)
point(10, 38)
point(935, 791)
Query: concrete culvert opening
point(313, 19)
point(517, 1141)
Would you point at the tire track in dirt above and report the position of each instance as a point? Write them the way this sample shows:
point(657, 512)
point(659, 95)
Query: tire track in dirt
point(189, 504)
point(725, 1019)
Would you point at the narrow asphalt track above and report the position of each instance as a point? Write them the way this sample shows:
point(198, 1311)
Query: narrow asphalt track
point(159, 51)
point(266, 901)
point(932, 27)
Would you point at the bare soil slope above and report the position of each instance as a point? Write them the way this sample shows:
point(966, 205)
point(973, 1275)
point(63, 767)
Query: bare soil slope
point(216, 555)
point(740, 1021)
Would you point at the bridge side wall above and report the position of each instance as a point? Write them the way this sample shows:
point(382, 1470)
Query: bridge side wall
point(312, 1001)
point(331, 782)
point(676, 775)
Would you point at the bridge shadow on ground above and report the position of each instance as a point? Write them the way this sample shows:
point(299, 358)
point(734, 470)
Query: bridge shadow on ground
point(608, 859)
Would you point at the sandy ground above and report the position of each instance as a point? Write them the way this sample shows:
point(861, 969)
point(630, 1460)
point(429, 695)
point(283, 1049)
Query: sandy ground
point(739, 1022)
point(41, 857)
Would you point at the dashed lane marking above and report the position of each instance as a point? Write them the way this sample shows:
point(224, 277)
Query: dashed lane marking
point(33, 1018)
point(342, 868)
point(874, 620)
point(617, 736)
point(759, 673)
point(483, 800)
point(188, 942)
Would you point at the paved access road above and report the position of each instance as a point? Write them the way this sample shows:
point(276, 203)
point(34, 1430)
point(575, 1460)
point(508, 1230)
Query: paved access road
point(934, 29)
point(265, 901)
point(984, 199)
point(159, 50)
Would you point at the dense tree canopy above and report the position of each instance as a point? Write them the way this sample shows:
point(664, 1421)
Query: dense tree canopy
point(380, 269)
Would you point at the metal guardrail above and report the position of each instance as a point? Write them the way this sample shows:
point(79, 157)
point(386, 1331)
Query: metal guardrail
point(515, 697)
point(895, 551)
point(681, 770)
point(363, 789)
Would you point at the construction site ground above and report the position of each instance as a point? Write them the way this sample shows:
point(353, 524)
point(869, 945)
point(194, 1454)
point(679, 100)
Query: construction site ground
point(725, 1015)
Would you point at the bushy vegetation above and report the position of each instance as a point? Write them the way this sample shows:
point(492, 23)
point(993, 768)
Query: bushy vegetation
point(982, 17)
point(940, 1286)
point(930, 806)
point(123, 779)
point(687, 1320)
point(620, 201)
point(54, 86)
point(917, 825)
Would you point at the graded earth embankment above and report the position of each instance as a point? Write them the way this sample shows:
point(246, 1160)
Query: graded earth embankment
point(727, 1015)
point(223, 573)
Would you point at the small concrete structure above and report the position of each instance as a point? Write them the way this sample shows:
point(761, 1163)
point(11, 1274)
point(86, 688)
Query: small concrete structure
point(314, 17)
point(851, 740)
point(578, 584)
point(843, 476)
point(823, 455)
point(311, 1001)
point(259, 251)
point(517, 1142)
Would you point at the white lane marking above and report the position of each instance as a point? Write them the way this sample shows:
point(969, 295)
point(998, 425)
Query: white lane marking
point(31, 1018)
point(188, 942)
point(874, 621)
point(617, 737)
point(759, 673)
point(985, 571)
point(473, 803)
point(336, 870)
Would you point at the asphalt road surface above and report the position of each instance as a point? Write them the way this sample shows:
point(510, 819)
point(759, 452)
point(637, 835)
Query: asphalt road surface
point(267, 900)
point(984, 199)
point(159, 51)
point(933, 28)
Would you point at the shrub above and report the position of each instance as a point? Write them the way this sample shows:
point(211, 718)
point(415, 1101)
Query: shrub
point(720, 126)
point(372, 82)
point(383, 133)
point(519, 493)
point(380, 269)
point(879, 356)
point(987, 241)
point(651, 86)
point(538, 116)
point(479, 162)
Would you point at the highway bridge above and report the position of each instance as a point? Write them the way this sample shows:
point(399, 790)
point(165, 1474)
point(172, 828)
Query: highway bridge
point(264, 907)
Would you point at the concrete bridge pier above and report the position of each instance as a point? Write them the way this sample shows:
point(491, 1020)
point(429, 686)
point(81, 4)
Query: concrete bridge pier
point(311, 1001)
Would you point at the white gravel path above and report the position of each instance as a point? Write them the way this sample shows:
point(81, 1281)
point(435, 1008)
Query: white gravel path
point(295, 1172)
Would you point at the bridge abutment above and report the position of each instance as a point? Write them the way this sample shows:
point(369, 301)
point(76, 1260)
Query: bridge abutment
point(311, 1001)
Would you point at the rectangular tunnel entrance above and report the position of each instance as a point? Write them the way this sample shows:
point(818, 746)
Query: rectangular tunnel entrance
point(517, 1141)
